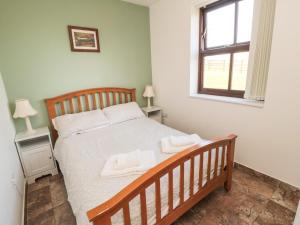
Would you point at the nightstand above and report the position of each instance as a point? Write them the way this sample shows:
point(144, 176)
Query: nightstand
point(36, 154)
point(155, 113)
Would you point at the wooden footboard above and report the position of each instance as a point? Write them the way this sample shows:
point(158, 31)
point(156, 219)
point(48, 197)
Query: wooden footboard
point(101, 215)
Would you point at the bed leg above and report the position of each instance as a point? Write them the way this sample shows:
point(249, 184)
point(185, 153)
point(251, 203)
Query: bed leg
point(230, 162)
point(227, 185)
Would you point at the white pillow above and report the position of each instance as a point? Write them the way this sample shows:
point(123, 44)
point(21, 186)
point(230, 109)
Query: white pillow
point(70, 124)
point(123, 112)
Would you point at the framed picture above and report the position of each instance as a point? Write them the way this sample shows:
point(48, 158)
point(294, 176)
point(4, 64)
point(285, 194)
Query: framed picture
point(83, 39)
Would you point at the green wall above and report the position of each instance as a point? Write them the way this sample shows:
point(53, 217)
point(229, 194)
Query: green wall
point(35, 57)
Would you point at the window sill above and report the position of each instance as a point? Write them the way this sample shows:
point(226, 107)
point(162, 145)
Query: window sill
point(239, 101)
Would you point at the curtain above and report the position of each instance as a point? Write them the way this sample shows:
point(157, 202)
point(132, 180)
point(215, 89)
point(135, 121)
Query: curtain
point(260, 49)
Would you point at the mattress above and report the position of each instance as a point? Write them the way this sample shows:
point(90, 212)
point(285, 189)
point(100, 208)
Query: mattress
point(81, 158)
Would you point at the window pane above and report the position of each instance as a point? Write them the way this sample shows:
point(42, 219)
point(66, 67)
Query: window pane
point(220, 26)
point(239, 71)
point(216, 71)
point(245, 20)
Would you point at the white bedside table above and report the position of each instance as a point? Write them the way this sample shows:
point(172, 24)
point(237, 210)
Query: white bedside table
point(36, 154)
point(155, 113)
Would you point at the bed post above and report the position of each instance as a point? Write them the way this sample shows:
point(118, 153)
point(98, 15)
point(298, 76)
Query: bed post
point(133, 95)
point(51, 114)
point(230, 162)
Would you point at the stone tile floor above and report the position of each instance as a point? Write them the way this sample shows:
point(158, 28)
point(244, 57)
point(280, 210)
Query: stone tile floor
point(254, 200)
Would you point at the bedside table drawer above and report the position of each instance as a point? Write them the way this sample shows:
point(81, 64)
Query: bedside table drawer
point(38, 160)
point(35, 143)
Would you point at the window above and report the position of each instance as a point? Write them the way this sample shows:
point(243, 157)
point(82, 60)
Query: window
point(225, 28)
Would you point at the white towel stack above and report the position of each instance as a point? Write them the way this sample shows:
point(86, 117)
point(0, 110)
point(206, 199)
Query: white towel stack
point(129, 160)
point(174, 144)
point(127, 164)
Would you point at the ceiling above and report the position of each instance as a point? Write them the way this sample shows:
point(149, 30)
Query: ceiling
point(141, 2)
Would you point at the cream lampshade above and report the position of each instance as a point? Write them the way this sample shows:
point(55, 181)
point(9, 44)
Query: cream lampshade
point(149, 93)
point(25, 110)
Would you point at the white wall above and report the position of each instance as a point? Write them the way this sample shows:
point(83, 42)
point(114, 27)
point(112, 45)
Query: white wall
point(268, 137)
point(11, 196)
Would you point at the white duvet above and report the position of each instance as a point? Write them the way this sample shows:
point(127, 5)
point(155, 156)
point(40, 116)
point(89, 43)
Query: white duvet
point(82, 157)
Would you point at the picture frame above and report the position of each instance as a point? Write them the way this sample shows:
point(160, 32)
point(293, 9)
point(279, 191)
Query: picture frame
point(84, 39)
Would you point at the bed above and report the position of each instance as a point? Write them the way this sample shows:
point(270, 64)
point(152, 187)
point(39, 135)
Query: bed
point(160, 195)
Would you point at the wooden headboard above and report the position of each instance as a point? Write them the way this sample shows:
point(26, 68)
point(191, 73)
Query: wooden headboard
point(86, 100)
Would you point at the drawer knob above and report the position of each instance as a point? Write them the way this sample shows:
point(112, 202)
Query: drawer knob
point(50, 157)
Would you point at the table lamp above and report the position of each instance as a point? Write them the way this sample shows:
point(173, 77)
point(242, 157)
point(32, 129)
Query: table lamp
point(149, 93)
point(25, 110)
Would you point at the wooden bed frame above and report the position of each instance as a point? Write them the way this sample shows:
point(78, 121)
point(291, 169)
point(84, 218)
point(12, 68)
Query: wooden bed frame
point(86, 100)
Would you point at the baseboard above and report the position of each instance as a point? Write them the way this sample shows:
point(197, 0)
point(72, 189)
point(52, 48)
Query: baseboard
point(253, 171)
point(24, 214)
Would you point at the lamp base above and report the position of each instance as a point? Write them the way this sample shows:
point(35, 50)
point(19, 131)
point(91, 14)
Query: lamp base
point(149, 103)
point(29, 127)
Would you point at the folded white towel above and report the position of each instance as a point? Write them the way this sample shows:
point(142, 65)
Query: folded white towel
point(168, 147)
point(147, 161)
point(127, 160)
point(183, 140)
